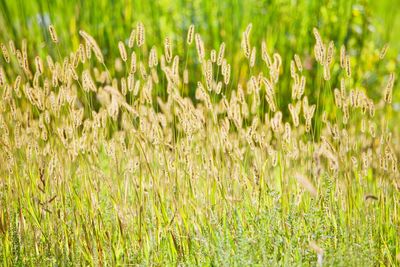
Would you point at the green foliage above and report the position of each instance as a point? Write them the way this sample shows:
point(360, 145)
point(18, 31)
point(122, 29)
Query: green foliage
point(133, 191)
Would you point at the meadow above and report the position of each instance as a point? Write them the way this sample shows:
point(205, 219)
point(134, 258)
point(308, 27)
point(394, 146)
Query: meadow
point(173, 133)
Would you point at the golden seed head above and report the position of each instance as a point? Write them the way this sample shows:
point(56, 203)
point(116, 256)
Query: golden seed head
point(91, 43)
point(343, 57)
point(132, 36)
point(298, 62)
point(389, 89)
point(53, 34)
point(221, 54)
point(39, 64)
point(133, 62)
point(6, 55)
point(122, 51)
point(190, 34)
point(253, 57)
point(348, 66)
point(140, 34)
point(168, 50)
point(199, 46)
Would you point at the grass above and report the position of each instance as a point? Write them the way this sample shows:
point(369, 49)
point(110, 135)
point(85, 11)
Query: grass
point(208, 172)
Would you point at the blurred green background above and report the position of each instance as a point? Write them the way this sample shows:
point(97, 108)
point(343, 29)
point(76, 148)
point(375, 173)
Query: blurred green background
point(286, 25)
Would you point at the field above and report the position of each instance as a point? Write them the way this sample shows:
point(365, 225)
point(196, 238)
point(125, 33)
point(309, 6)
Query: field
point(174, 133)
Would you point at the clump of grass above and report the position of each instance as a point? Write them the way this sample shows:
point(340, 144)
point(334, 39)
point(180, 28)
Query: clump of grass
point(125, 167)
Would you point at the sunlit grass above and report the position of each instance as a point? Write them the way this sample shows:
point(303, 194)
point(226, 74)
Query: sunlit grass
point(288, 157)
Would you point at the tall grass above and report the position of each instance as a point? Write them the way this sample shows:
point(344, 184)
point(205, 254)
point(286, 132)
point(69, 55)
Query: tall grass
point(149, 149)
